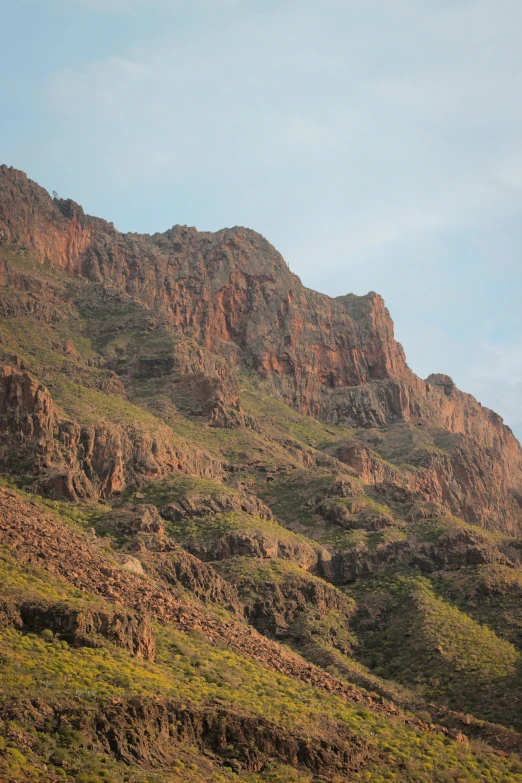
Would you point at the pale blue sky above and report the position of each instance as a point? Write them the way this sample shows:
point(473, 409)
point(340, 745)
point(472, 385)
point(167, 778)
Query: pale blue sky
point(376, 144)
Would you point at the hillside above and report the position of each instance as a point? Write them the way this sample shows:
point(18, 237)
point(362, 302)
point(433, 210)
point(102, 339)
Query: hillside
point(239, 538)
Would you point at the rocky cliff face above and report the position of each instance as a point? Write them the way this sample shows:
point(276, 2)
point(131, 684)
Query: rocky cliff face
point(231, 291)
point(469, 480)
point(75, 461)
point(228, 287)
point(81, 627)
point(153, 733)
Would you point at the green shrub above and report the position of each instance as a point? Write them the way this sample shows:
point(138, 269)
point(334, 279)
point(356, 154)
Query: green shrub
point(58, 757)
point(87, 777)
point(17, 756)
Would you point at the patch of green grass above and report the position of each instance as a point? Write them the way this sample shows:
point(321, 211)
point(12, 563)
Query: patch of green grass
point(288, 494)
point(31, 664)
point(260, 572)
point(32, 342)
point(427, 530)
point(217, 526)
point(409, 634)
point(490, 594)
point(343, 540)
point(177, 487)
point(289, 603)
point(277, 416)
point(90, 406)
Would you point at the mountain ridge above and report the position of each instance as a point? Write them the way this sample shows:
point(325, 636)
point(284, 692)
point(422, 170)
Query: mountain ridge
point(239, 538)
point(60, 228)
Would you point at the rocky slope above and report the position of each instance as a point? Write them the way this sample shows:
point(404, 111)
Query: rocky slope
point(77, 461)
point(238, 537)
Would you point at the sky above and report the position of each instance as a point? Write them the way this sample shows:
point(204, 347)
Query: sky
point(376, 144)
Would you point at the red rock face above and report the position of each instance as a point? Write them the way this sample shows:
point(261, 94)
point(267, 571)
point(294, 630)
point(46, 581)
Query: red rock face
point(79, 462)
point(230, 287)
point(26, 419)
point(231, 291)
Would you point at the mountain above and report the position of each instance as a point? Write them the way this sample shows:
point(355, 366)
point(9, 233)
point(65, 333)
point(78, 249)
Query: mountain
point(239, 538)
